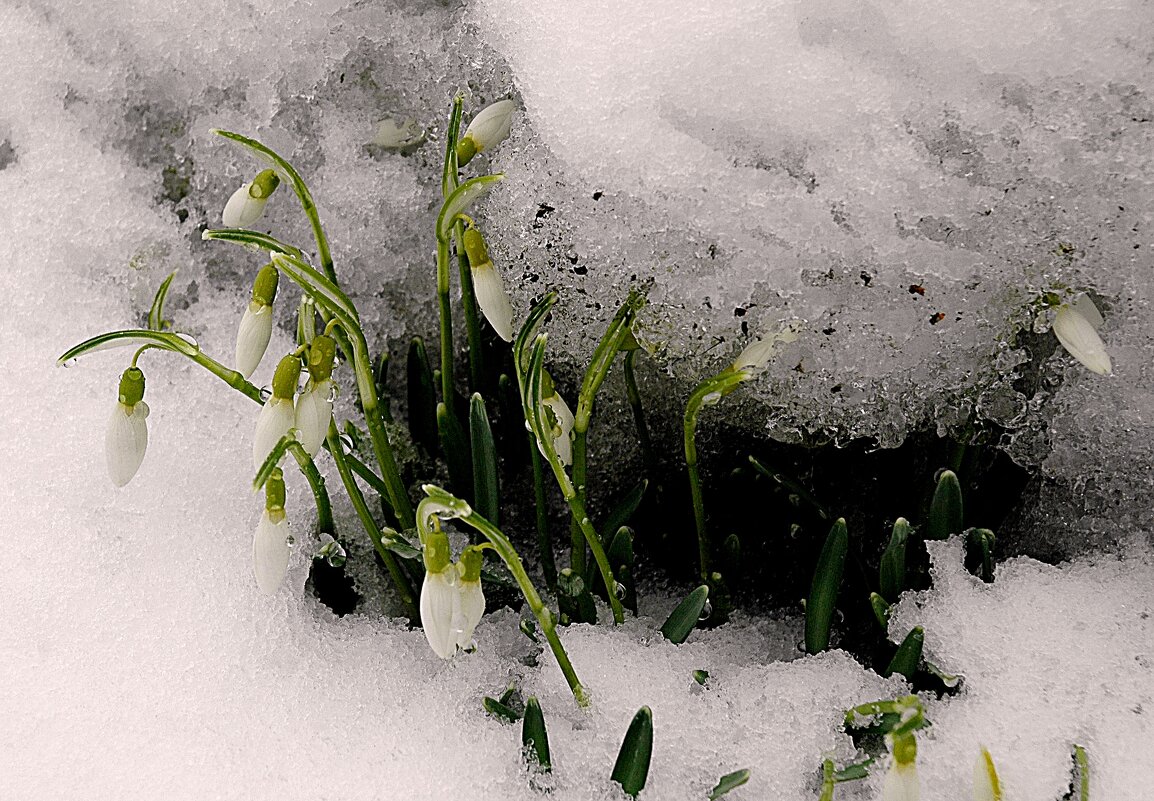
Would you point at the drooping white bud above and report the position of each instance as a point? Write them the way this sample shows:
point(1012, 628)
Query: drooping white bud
point(242, 209)
point(276, 418)
point(439, 599)
point(563, 430)
point(757, 354)
point(270, 551)
point(470, 598)
point(493, 300)
point(1080, 339)
point(487, 130)
point(125, 441)
point(901, 783)
point(252, 337)
point(314, 411)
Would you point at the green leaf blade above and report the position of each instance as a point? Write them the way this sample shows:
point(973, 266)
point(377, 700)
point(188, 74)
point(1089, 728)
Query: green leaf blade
point(945, 516)
point(534, 737)
point(631, 770)
point(819, 608)
point(485, 484)
point(729, 781)
point(683, 619)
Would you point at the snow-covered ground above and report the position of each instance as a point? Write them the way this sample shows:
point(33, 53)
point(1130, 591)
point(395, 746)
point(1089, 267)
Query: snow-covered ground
point(138, 657)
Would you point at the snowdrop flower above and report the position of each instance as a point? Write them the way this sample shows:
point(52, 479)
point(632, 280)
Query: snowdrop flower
point(127, 436)
point(470, 599)
point(270, 548)
point(756, 355)
point(986, 784)
point(439, 595)
point(487, 284)
point(277, 416)
point(1076, 328)
point(314, 409)
point(256, 325)
point(487, 130)
point(901, 782)
point(562, 421)
point(247, 203)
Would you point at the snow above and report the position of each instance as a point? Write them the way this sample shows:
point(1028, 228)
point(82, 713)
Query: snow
point(918, 144)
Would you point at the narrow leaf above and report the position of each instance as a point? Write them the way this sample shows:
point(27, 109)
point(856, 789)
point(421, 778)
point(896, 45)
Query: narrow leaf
point(485, 490)
point(819, 608)
point(522, 344)
point(729, 782)
point(534, 738)
point(620, 555)
point(945, 508)
point(684, 618)
point(317, 284)
point(456, 450)
point(701, 676)
point(908, 655)
point(499, 710)
point(273, 459)
point(892, 570)
point(623, 510)
point(243, 236)
point(603, 356)
point(792, 486)
point(422, 396)
point(632, 767)
point(156, 321)
point(132, 338)
point(881, 610)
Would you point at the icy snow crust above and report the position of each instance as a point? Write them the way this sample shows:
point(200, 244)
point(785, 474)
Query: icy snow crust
point(140, 658)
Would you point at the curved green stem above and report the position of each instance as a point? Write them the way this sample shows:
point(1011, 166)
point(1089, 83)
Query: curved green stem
point(544, 539)
point(446, 319)
point(400, 580)
point(706, 393)
point(442, 504)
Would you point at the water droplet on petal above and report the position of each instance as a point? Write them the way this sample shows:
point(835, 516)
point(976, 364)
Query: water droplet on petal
point(265, 394)
point(706, 611)
point(190, 340)
point(334, 390)
point(346, 443)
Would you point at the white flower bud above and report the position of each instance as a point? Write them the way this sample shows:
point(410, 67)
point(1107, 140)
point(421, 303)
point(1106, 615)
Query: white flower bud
point(125, 441)
point(493, 300)
point(314, 410)
point(986, 784)
point(901, 782)
point(276, 418)
point(487, 130)
point(270, 552)
point(1080, 339)
point(252, 337)
point(562, 432)
point(467, 614)
point(242, 209)
point(757, 354)
point(439, 600)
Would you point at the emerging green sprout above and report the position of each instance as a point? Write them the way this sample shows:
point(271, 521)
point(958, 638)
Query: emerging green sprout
point(1076, 326)
point(255, 329)
point(487, 130)
point(126, 439)
point(247, 204)
point(270, 545)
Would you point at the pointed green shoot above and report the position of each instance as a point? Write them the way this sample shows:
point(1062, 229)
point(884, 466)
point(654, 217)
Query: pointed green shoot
point(729, 782)
point(819, 607)
point(456, 449)
point(603, 355)
point(945, 508)
point(499, 710)
point(684, 618)
point(534, 739)
point(485, 490)
point(156, 321)
point(620, 555)
point(980, 552)
point(908, 655)
point(701, 676)
point(881, 610)
point(1082, 773)
point(623, 510)
point(632, 767)
point(527, 335)
point(892, 570)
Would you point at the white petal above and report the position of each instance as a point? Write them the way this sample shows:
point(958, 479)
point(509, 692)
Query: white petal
point(438, 597)
point(901, 783)
point(468, 611)
point(1079, 338)
point(270, 553)
point(1085, 307)
point(758, 353)
point(493, 300)
point(986, 786)
point(125, 441)
point(313, 413)
point(276, 418)
point(242, 210)
point(492, 124)
point(563, 442)
point(252, 337)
